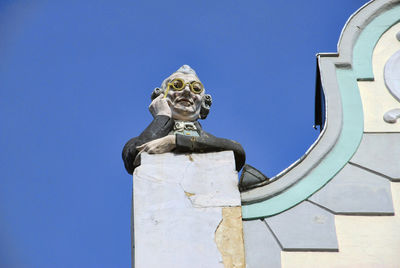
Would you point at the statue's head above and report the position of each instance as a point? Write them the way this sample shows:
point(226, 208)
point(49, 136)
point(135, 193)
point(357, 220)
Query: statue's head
point(186, 93)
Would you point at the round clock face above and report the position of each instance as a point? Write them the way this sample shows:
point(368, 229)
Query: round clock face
point(392, 75)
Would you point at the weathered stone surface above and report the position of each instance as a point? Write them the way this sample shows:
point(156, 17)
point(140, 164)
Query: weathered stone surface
point(356, 191)
point(208, 179)
point(178, 201)
point(380, 153)
point(305, 227)
point(229, 238)
point(262, 250)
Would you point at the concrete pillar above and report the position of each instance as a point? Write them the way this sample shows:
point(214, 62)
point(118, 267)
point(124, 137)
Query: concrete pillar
point(186, 211)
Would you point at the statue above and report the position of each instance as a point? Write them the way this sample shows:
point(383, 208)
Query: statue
point(176, 107)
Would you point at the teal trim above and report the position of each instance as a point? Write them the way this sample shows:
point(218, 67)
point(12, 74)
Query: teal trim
point(344, 149)
point(352, 129)
point(363, 49)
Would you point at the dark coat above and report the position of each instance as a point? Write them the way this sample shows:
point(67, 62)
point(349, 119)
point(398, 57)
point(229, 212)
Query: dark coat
point(162, 125)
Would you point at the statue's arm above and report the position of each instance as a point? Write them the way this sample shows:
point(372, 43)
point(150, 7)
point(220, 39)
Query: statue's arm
point(159, 127)
point(208, 143)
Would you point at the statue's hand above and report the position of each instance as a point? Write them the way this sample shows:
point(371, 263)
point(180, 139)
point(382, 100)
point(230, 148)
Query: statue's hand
point(160, 106)
point(159, 146)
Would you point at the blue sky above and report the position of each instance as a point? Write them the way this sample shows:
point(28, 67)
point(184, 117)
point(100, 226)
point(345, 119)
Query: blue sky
point(75, 84)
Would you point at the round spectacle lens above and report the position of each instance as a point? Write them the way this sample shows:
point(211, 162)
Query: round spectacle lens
point(178, 84)
point(196, 87)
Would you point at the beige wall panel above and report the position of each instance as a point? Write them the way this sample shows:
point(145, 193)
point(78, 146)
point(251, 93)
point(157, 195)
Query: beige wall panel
point(376, 102)
point(376, 99)
point(364, 241)
point(229, 238)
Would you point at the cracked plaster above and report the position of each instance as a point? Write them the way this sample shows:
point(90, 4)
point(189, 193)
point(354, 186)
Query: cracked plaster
point(178, 206)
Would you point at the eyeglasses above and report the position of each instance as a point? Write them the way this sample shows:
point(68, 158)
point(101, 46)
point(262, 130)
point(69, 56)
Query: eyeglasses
point(179, 84)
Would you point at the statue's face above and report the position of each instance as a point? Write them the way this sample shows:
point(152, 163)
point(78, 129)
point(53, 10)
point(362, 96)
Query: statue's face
point(186, 104)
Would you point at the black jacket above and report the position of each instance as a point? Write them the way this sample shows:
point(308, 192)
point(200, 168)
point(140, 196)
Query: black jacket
point(162, 125)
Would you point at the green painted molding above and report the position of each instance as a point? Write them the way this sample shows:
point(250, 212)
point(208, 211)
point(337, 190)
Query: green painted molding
point(346, 146)
point(364, 48)
point(352, 129)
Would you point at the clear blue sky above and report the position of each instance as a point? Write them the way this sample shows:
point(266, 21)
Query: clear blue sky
point(75, 84)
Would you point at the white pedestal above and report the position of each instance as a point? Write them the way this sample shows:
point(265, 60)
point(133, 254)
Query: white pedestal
point(178, 202)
